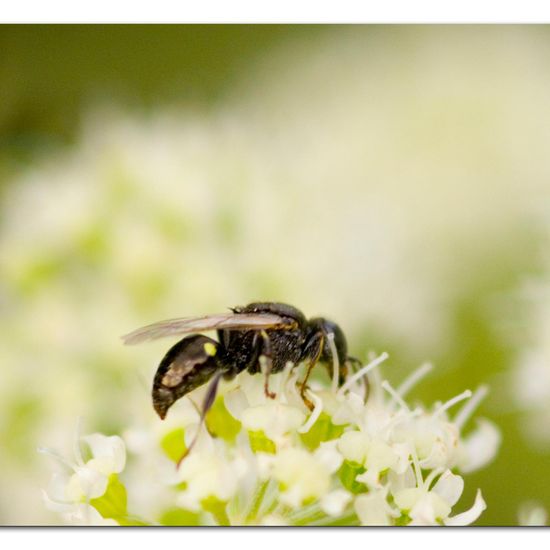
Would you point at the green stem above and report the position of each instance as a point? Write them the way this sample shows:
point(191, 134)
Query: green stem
point(306, 515)
point(256, 502)
point(350, 519)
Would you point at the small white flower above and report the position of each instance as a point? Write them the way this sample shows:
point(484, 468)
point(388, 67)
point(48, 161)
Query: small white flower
point(427, 506)
point(301, 476)
point(374, 454)
point(80, 482)
point(206, 474)
point(434, 441)
point(89, 479)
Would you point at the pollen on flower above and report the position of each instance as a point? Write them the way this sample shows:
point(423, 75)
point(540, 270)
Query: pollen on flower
point(357, 458)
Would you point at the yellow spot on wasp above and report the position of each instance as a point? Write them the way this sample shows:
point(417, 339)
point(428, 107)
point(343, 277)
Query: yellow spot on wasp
point(210, 349)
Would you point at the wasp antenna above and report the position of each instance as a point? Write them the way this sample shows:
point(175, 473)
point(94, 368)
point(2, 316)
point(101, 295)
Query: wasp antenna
point(209, 399)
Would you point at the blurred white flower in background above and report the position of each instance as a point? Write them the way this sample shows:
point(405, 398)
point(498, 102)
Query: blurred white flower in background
point(369, 469)
point(530, 380)
point(370, 179)
point(532, 514)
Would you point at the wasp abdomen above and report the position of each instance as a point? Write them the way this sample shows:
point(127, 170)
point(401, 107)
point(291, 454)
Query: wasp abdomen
point(186, 366)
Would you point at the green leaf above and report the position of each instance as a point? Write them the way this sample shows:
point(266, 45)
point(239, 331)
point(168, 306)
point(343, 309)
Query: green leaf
point(347, 474)
point(173, 444)
point(113, 504)
point(322, 430)
point(220, 423)
point(403, 519)
point(179, 517)
point(132, 521)
point(259, 442)
point(217, 508)
point(114, 501)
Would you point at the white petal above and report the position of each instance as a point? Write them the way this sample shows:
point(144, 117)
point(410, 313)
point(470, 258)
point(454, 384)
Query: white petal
point(330, 403)
point(57, 485)
point(449, 487)
point(402, 451)
point(274, 419)
point(335, 502)
point(265, 463)
point(110, 449)
point(253, 388)
point(430, 508)
point(406, 480)
point(292, 497)
point(302, 475)
point(406, 499)
point(350, 409)
point(84, 514)
point(439, 456)
point(56, 506)
point(469, 516)
point(206, 474)
point(480, 446)
point(353, 445)
point(86, 483)
point(328, 455)
point(380, 456)
point(372, 509)
point(423, 512)
point(371, 478)
point(236, 403)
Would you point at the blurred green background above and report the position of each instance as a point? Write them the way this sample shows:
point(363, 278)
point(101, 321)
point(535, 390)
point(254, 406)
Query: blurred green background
point(51, 73)
point(394, 178)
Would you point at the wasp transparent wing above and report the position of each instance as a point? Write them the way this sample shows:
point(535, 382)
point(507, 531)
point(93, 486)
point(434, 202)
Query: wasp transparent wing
point(185, 325)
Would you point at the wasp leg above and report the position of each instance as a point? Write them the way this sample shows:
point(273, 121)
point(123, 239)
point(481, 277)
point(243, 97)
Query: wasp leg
point(209, 399)
point(268, 354)
point(313, 350)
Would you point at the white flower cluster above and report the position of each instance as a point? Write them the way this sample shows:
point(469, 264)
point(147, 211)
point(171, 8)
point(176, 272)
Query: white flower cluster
point(388, 166)
point(262, 461)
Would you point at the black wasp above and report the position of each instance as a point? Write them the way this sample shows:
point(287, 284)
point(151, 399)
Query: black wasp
point(279, 332)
